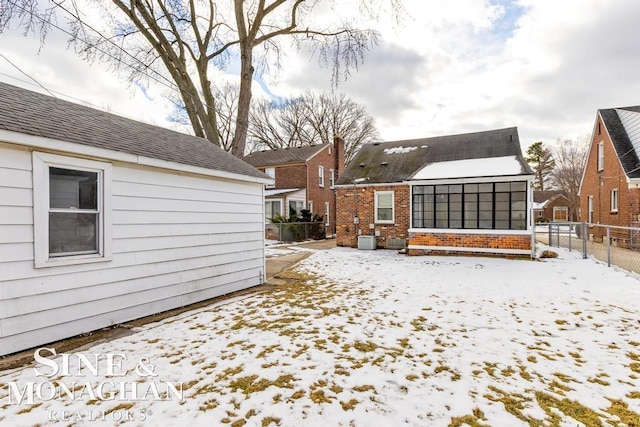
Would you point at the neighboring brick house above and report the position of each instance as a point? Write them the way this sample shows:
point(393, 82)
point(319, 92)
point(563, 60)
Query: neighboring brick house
point(552, 205)
point(304, 178)
point(610, 185)
point(466, 193)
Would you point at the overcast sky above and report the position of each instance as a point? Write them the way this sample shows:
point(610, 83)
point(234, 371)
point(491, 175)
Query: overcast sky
point(450, 66)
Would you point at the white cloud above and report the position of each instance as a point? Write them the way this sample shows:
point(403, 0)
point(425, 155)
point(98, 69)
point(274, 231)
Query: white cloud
point(446, 67)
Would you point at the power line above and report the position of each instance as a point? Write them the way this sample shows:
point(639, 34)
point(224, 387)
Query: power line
point(23, 72)
point(170, 84)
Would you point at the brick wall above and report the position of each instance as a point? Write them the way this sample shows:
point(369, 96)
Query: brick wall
point(290, 176)
point(359, 201)
point(485, 243)
point(599, 185)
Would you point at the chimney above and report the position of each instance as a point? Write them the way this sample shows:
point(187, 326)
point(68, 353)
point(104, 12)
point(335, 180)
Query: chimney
point(338, 145)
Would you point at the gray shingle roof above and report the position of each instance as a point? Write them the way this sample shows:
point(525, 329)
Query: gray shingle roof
point(36, 114)
point(621, 142)
point(391, 162)
point(283, 156)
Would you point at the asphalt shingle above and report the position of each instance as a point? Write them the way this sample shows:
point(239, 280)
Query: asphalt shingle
point(32, 113)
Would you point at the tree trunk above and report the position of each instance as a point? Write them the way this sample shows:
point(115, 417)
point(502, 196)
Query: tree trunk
point(244, 100)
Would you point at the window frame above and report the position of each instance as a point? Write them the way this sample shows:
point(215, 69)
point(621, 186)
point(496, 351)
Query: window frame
point(271, 201)
point(332, 178)
point(600, 154)
point(564, 209)
point(321, 176)
point(614, 200)
point(590, 209)
point(295, 202)
point(327, 213)
point(42, 162)
point(271, 171)
point(377, 219)
point(475, 206)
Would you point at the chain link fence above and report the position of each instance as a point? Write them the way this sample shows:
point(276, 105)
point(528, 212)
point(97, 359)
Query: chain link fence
point(296, 231)
point(613, 245)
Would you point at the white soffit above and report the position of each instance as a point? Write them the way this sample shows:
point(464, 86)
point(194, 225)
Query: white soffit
point(493, 166)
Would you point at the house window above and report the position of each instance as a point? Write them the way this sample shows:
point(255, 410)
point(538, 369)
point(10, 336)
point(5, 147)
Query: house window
point(327, 213)
point(600, 156)
point(272, 208)
point(560, 213)
point(272, 173)
point(71, 210)
point(384, 207)
point(499, 205)
point(295, 206)
point(321, 176)
point(310, 206)
point(590, 209)
point(614, 200)
point(332, 178)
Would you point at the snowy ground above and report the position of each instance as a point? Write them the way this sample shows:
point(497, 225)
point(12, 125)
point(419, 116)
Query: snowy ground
point(375, 338)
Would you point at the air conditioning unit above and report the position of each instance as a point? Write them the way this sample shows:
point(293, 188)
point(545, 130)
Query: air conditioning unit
point(367, 242)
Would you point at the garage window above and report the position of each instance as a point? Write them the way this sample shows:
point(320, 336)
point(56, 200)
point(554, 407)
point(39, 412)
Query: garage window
point(71, 210)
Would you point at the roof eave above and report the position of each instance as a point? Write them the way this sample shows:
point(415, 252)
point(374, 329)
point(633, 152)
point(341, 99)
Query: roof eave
point(75, 149)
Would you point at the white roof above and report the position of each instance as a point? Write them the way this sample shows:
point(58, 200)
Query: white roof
point(468, 168)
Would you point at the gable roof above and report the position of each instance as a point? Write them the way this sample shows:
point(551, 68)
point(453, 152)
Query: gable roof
point(283, 156)
point(623, 127)
point(542, 198)
point(32, 113)
point(399, 161)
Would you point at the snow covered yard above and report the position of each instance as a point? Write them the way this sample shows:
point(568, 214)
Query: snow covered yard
point(375, 338)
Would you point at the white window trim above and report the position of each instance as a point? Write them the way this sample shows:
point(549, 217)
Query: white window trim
point(327, 213)
point(332, 178)
point(310, 206)
point(615, 195)
point(271, 171)
point(321, 176)
point(279, 201)
point(393, 207)
point(560, 209)
point(41, 164)
point(590, 209)
point(600, 156)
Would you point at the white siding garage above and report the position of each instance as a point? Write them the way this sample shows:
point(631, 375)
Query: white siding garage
point(93, 234)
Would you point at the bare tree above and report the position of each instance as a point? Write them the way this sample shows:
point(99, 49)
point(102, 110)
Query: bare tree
point(311, 119)
point(570, 157)
point(541, 160)
point(176, 41)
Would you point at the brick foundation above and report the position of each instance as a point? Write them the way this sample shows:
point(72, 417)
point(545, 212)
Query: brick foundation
point(469, 243)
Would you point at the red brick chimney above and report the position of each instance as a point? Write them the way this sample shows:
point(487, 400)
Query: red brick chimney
point(338, 145)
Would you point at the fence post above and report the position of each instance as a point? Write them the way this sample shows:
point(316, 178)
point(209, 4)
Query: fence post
point(584, 240)
point(558, 235)
point(570, 236)
point(549, 229)
point(608, 247)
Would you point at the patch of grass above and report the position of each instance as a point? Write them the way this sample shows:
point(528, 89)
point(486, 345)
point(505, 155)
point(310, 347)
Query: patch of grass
point(297, 395)
point(633, 395)
point(508, 371)
point(635, 367)
point(571, 408)
point(350, 405)
point(561, 322)
point(267, 421)
point(365, 347)
point(363, 388)
point(209, 404)
point(412, 377)
point(253, 384)
point(121, 406)
point(469, 420)
point(318, 396)
point(417, 323)
point(621, 410)
point(31, 408)
point(532, 359)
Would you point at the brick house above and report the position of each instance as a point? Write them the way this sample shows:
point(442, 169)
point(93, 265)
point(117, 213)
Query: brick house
point(304, 178)
point(610, 185)
point(552, 205)
point(469, 193)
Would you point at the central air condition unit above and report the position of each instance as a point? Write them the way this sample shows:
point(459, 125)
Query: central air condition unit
point(367, 242)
